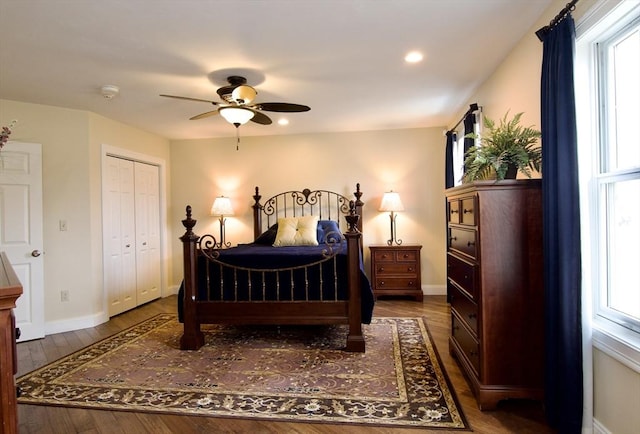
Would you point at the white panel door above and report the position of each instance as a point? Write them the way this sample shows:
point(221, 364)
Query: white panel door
point(119, 228)
point(147, 210)
point(21, 230)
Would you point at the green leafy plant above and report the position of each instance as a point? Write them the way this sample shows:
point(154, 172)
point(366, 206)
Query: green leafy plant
point(504, 150)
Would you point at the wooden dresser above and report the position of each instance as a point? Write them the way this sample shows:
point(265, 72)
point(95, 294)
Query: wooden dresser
point(395, 270)
point(495, 286)
point(10, 290)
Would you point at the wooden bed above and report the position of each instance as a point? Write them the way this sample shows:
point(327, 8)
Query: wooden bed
point(328, 287)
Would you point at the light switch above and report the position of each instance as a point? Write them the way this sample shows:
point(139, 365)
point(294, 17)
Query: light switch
point(63, 225)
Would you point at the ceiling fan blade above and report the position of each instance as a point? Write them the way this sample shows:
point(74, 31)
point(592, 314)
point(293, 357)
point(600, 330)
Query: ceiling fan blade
point(260, 118)
point(282, 107)
point(190, 99)
point(204, 115)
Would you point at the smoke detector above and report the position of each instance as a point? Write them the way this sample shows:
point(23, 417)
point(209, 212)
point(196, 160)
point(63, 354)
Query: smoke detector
point(109, 91)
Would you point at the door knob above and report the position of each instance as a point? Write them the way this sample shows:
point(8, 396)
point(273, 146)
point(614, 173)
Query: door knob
point(35, 253)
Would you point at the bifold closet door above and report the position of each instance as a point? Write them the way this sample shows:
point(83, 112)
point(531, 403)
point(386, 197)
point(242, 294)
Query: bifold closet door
point(132, 238)
point(120, 244)
point(147, 209)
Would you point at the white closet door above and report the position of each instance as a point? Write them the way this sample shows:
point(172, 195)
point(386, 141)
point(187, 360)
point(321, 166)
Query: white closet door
point(147, 210)
point(119, 220)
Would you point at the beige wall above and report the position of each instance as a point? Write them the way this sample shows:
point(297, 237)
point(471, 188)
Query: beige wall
point(408, 161)
point(71, 172)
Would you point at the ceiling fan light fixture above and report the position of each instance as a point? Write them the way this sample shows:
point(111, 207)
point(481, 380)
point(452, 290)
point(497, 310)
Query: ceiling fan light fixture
point(236, 115)
point(243, 94)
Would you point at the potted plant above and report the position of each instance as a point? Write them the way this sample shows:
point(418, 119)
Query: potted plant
point(504, 149)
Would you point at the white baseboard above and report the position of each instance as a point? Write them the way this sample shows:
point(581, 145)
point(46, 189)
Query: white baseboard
point(434, 289)
point(71, 324)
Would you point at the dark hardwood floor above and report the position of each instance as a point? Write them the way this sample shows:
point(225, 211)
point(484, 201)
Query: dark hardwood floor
point(510, 417)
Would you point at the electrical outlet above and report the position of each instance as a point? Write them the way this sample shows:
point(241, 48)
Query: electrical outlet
point(64, 296)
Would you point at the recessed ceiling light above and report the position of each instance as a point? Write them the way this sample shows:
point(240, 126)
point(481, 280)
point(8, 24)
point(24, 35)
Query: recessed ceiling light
point(413, 57)
point(283, 121)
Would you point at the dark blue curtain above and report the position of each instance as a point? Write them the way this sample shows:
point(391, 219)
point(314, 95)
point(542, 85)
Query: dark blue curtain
point(469, 121)
point(561, 226)
point(448, 161)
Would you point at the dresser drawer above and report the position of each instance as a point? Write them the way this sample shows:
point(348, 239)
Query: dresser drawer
point(468, 211)
point(463, 240)
point(396, 283)
point(466, 342)
point(454, 211)
point(466, 308)
point(463, 274)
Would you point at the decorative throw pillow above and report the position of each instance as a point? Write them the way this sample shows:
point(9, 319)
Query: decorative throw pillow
point(297, 231)
point(330, 229)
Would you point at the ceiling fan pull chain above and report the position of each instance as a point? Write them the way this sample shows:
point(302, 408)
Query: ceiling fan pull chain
point(237, 138)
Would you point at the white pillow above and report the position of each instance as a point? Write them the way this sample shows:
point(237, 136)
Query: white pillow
point(297, 231)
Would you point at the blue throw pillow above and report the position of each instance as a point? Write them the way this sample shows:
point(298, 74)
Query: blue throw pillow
point(328, 228)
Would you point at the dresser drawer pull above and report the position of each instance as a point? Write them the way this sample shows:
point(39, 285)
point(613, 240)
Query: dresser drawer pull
point(454, 211)
point(384, 256)
point(452, 238)
point(411, 269)
point(410, 283)
point(382, 283)
point(468, 211)
point(405, 256)
point(471, 243)
point(472, 316)
point(473, 353)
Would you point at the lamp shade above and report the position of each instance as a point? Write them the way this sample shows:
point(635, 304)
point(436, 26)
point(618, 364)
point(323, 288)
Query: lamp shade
point(391, 202)
point(221, 206)
point(236, 115)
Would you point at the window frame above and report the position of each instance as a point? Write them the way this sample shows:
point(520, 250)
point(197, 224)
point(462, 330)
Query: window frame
point(602, 25)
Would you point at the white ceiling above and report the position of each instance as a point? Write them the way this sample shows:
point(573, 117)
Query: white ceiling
point(343, 58)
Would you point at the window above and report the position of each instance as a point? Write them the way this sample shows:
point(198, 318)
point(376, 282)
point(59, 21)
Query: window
point(608, 106)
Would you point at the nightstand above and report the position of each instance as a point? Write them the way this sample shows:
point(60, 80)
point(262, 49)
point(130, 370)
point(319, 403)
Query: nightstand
point(395, 270)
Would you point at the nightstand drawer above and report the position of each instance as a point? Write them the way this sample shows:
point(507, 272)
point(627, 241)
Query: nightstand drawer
point(464, 307)
point(396, 283)
point(395, 269)
point(463, 274)
point(395, 255)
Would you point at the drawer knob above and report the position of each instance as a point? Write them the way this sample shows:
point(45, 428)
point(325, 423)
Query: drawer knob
point(454, 211)
point(405, 256)
point(452, 238)
point(380, 269)
point(382, 283)
point(468, 211)
point(384, 256)
point(471, 243)
point(410, 269)
point(472, 315)
point(410, 283)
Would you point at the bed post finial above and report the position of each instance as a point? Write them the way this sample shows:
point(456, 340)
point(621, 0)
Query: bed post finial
point(189, 223)
point(358, 195)
point(352, 218)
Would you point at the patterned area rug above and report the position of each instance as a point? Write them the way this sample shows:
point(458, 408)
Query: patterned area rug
point(276, 373)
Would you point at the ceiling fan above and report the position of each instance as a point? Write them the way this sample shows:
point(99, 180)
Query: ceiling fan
point(238, 107)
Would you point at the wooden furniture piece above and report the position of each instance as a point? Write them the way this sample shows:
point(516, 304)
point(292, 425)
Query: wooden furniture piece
point(10, 290)
point(395, 270)
point(495, 285)
point(261, 306)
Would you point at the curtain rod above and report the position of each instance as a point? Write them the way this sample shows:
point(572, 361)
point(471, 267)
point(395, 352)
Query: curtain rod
point(472, 108)
point(570, 7)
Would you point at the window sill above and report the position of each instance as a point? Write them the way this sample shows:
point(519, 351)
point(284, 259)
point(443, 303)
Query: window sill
point(618, 342)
